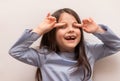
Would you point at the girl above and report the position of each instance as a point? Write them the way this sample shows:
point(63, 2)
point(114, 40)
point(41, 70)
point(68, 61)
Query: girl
point(63, 55)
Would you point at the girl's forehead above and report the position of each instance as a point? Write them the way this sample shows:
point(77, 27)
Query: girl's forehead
point(67, 17)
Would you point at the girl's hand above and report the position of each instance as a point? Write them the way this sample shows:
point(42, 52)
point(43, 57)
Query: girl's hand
point(89, 26)
point(48, 24)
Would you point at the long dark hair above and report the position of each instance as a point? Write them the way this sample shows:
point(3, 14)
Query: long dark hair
point(49, 40)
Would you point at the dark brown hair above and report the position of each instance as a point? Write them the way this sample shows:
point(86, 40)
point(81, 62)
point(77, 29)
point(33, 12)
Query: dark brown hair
point(49, 40)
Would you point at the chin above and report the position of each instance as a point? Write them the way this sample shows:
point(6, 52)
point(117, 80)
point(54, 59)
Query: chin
point(71, 46)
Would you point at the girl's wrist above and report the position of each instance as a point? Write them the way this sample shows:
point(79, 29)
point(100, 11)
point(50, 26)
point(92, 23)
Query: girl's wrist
point(38, 31)
point(100, 30)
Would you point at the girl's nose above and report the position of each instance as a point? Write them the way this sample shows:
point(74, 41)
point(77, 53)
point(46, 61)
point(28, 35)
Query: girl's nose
point(70, 29)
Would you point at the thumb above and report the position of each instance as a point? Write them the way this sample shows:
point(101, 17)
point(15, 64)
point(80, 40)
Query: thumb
point(48, 14)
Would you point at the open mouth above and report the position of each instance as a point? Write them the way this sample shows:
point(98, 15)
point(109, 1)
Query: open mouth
point(72, 37)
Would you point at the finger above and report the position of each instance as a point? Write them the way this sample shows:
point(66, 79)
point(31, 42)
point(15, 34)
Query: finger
point(87, 20)
point(90, 19)
point(59, 24)
point(51, 18)
point(48, 14)
point(86, 30)
point(78, 24)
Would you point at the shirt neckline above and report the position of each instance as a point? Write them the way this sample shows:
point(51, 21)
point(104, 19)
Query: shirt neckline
point(67, 55)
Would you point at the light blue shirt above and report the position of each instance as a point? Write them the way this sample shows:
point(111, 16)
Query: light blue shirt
point(59, 67)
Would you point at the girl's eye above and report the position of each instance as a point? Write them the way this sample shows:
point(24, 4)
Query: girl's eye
point(76, 27)
point(62, 27)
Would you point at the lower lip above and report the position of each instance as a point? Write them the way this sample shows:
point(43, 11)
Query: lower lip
point(70, 41)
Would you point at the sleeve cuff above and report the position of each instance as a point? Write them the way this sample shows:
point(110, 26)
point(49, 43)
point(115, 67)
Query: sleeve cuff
point(32, 35)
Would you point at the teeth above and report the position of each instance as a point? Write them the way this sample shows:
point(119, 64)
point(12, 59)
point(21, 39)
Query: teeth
point(70, 37)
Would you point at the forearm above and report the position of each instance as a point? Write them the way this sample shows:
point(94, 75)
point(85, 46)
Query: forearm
point(108, 37)
point(21, 49)
point(24, 42)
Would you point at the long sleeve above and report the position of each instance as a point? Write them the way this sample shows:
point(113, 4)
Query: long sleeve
point(21, 49)
point(111, 44)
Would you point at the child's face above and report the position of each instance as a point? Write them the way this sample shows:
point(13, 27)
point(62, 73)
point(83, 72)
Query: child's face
point(67, 36)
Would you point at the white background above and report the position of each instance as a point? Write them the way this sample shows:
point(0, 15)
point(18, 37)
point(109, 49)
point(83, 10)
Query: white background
point(18, 15)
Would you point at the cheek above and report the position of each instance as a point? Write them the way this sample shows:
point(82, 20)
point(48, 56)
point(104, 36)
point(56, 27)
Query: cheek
point(59, 35)
point(78, 31)
point(78, 34)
